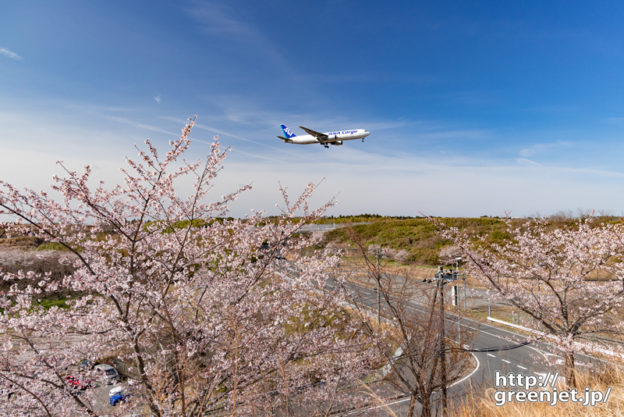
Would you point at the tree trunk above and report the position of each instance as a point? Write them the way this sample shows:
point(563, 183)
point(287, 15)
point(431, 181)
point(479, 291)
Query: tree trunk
point(569, 369)
point(412, 405)
point(426, 406)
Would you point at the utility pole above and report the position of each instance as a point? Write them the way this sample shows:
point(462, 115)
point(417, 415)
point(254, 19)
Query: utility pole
point(458, 309)
point(441, 283)
point(456, 277)
point(458, 261)
point(379, 286)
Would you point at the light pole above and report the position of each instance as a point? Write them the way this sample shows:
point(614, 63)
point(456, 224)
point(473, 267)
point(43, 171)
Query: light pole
point(458, 261)
point(379, 287)
point(458, 307)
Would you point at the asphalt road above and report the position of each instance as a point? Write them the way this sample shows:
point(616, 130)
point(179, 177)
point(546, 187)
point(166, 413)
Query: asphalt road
point(491, 348)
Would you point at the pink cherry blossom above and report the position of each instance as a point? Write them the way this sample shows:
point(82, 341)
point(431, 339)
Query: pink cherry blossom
point(200, 307)
point(568, 281)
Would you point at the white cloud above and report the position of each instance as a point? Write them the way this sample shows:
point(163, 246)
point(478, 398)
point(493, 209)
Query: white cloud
point(157, 99)
point(139, 125)
point(390, 182)
point(90, 108)
point(541, 147)
point(406, 185)
point(225, 19)
point(214, 17)
point(10, 54)
point(370, 177)
point(211, 129)
point(524, 161)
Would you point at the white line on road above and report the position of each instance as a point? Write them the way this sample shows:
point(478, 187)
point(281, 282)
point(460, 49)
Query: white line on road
point(491, 356)
point(482, 325)
point(399, 401)
point(505, 360)
point(521, 367)
point(470, 374)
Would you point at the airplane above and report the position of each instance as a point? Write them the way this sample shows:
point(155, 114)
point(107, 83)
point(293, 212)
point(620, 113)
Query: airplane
point(325, 139)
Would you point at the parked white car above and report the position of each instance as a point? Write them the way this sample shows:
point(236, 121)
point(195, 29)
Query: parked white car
point(108, 374)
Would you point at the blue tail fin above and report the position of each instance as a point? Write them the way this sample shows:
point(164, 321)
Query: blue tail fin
point(287, 132)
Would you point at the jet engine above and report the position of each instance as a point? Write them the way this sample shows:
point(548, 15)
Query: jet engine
point(336, 143)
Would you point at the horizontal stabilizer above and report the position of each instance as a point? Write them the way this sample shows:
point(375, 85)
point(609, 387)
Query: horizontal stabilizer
point(286, 140)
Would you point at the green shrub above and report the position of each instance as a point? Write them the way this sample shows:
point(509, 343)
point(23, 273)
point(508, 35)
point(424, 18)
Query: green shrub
point(420, 238)
point(52, 246)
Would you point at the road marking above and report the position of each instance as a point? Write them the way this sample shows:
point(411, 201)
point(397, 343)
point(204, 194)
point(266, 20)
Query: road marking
point(387, 405)
point(470, 374)
point(491, 356)
point(541, 352)
point(480, 330)
point(505, 360)
point(521, 367)
point(402, 400)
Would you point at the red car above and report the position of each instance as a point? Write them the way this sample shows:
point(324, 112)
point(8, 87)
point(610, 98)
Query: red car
point(76, 383)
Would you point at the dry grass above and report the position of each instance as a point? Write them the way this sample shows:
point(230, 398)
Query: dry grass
point(612, 378)
point(355, 266)
point(21, 242)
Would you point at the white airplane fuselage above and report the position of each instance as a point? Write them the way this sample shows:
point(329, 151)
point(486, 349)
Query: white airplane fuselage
point(337, 137)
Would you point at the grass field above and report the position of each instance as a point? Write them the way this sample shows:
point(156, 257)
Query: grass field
point(608, 380)
point(419, 238)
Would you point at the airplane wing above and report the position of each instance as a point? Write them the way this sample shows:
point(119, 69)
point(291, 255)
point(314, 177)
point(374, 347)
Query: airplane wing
point(322, 137)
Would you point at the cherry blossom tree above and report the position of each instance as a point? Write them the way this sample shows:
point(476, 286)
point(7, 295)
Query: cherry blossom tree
point(423, 354)
point(569, 281)
point(203, 310)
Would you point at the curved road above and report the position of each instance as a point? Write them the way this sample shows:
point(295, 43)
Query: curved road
point(495, 350)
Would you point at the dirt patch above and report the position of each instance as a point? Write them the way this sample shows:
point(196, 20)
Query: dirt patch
point(21, 242)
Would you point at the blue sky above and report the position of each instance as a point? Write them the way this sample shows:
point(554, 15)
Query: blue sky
point(475, 108)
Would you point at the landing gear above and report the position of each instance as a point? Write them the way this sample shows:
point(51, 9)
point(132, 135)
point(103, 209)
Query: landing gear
point(326, 146)
point(362, 140)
